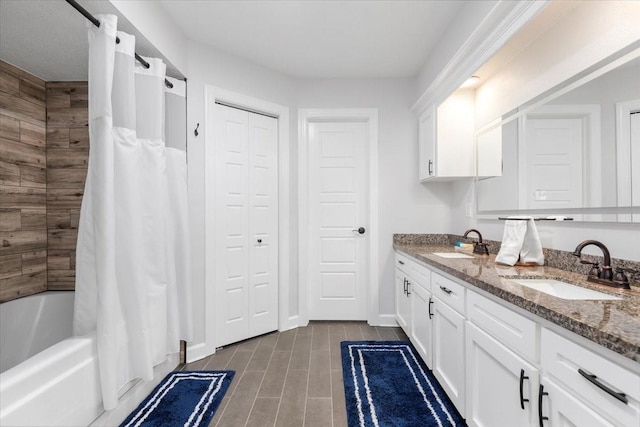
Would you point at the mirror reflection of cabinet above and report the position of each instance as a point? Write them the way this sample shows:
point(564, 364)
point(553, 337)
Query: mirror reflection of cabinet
point(446, 138)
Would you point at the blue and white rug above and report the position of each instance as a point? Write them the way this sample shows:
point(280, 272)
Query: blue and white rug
point(183, 398)
point(387, 384)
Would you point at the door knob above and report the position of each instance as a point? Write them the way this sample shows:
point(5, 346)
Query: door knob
point(360, 230)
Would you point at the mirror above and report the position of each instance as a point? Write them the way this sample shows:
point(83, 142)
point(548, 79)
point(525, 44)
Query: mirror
point(573, 152)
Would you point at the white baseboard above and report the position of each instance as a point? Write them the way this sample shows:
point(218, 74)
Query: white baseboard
point(386, 320)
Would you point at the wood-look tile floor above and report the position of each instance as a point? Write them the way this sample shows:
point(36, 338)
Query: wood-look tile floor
point(291, 378)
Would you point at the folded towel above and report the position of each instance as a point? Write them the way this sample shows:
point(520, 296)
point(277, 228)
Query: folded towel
point(520, 241)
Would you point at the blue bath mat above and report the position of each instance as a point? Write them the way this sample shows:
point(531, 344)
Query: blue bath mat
point(387, 384)
point(183, 398)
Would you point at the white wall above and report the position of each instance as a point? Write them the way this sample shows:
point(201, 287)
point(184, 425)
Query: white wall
point(405, 205)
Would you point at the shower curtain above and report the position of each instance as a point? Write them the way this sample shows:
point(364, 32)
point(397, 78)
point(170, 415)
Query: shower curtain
point(132, 284)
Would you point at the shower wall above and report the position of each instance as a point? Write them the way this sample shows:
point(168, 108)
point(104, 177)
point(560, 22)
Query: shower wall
point(44, 147)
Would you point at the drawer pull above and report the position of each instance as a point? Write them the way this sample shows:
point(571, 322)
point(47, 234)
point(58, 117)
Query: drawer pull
point(522, 378)
point(430, 313)
point(400, 262)
point(445, 289)
point(594, 380)
point(406, 282)
point(541, 393)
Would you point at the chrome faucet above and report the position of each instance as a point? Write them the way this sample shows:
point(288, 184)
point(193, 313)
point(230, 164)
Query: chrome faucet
point(478, 247)
point(604, 275)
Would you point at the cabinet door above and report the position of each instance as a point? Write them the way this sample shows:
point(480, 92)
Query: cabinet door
point(427, 144)
point(501, 387)
point(565, 410)
point(448, 352)
point(421, 323)
point(402, 301)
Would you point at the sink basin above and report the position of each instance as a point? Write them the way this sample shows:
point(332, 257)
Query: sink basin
point(452, 255)
point(564, 290)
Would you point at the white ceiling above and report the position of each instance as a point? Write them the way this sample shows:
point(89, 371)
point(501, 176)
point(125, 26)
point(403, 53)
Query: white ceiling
point(320, 39)
point(302, 38)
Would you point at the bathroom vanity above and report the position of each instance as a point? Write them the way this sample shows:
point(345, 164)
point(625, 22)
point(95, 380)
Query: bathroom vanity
point(509, 354)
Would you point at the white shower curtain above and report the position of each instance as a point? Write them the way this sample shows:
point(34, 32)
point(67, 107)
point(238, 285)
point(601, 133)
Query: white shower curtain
point(127, 286)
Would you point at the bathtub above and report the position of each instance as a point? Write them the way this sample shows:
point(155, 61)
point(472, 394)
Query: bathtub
point(60, 385)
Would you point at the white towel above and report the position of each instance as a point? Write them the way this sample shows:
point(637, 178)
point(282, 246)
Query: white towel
point(520, 241)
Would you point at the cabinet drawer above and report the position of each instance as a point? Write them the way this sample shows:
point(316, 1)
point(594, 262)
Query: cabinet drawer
point(402, 262)
point(420, 274)
point(516, 332)
point(563, 360)
point(448, 291)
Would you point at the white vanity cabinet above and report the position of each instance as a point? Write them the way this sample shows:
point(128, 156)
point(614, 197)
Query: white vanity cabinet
point(403, 301)
point(448, 337)
point(575, 378)
point(446, 136)
point(421, 321)
point(502, 386)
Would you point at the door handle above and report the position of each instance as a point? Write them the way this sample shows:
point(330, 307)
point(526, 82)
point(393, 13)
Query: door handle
point(594, 380)
point(522, 378)
point(361, 230)
point(430, 313)
point(541, 394)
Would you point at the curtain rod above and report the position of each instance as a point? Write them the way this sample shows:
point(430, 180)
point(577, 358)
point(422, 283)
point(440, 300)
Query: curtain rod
point(95, 22)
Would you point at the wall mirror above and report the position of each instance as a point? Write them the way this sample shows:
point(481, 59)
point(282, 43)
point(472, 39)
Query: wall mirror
point(574, 151)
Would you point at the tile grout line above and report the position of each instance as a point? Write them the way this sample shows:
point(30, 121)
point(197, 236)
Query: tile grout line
point(286, 375)
point(263, 376)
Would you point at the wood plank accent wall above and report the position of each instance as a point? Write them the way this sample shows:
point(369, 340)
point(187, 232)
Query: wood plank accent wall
point(23, 178)
point(44, 149)
point(67, 156)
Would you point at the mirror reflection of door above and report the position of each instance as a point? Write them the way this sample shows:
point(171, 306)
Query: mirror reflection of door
point(635, 160)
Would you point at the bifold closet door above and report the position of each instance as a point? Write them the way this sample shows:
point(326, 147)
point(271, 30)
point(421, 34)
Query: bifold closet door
point(246, 254)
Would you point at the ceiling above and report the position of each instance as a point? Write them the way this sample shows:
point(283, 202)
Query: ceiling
point(302, 38)
point(320, 39)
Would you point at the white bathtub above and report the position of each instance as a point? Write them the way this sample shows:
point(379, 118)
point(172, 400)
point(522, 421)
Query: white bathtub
point(60, 385)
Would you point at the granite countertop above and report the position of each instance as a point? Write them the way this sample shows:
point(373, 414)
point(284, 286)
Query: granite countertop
point(614, 324)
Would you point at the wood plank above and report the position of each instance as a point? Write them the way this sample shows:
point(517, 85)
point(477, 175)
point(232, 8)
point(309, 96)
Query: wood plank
point(10, 266)
point(80, 97)
point(58, 218)
point(9, 84)
point(22, 154)
point(33, 262)
point(64, 198)
point(67, 117)
point(33, 134)
point(61, 275)
point(61, 286)
point(13, 197)
point(66, 178)
point(59, 260)
point(17, 242)
point(21, 286)
point(79, 137)
point(62, 239)
point(10, 219)
point(58, 97)
point(74, 84)
point(9, 174)
point(74, 218)
point(33, 177)
point(58, 158)
point(72, 259)
point(58, 138)
point(22, 109)
point(9, 128)
point(19, 73)
point(32, 92)
point(34, 219)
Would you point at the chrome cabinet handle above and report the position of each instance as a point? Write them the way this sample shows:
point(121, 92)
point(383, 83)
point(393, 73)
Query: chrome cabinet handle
point(594, 380)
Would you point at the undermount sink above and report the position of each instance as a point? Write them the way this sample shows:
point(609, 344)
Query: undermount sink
point(451, 255)
point(564, 290)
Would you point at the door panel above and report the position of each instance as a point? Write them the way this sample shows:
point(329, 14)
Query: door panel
point(337, 200)
point(246, 227)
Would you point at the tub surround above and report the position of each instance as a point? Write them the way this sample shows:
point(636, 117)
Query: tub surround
point(612, 324)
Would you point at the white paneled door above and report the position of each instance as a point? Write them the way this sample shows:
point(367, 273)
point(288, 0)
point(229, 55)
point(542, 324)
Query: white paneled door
point(337, 220)
point(246, 224)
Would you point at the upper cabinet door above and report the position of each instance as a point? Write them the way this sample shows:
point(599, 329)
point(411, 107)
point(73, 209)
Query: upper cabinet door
point(427, 144)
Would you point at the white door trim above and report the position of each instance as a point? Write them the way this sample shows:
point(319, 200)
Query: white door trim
point(211, 95)
point(370, 117)
point(623, 149)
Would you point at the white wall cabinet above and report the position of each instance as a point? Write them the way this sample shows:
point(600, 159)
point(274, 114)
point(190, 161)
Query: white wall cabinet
point(446, 138)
